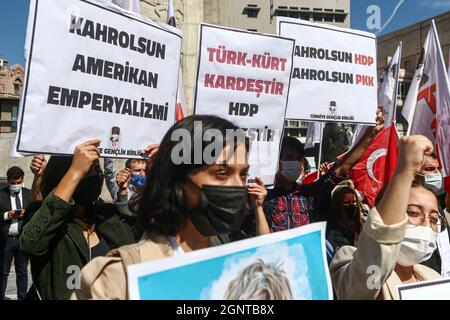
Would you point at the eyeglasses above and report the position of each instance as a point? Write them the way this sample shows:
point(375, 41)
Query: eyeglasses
point(437, 222)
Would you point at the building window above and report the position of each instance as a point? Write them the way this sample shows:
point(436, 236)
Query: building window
point(317, 17)
point(339, 18)
point(281, 13)
point(328, 17)
point(14, 112)
point(305, 16)
point(251, 10)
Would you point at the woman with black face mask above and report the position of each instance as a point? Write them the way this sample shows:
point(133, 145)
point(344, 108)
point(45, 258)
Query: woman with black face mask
point(345, 225)
point(72, 225)
point(192, 197)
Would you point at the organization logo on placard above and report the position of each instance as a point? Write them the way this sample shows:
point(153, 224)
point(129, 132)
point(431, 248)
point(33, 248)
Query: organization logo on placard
point(114, 139)
point(332, 108)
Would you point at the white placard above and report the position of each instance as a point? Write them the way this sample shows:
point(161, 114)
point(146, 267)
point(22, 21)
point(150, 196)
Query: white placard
point(334, 78)
point(425, 290)
point(95, 71)
point(244, 77)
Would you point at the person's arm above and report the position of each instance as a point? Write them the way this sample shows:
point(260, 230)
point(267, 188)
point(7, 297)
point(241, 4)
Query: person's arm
point(37, 167)
point(346, 163)
point(110, 174)
point(123, 180)
point(258, 193)
point(322, 187)
point(48, 221)
point(359, 273)
point(8, 215)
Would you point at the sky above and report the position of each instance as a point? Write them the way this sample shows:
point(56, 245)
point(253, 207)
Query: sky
point(14, 15)
point(408, 12)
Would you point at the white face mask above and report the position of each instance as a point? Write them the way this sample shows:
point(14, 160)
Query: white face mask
point(15, 188)
point(434, 181)
point(291, 170)
point(417, 246)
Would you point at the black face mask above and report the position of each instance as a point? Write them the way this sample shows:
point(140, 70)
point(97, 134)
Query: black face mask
point(88, 190)
point(351, 211)
point(222, 210)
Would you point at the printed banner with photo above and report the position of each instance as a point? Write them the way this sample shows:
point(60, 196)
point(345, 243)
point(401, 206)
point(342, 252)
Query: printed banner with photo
point(289, 265)
point(244, 77)
point(334, 78)
point(95, 71)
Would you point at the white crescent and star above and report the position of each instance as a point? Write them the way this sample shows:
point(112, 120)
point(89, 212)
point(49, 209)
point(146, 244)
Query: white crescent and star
point(377, 154)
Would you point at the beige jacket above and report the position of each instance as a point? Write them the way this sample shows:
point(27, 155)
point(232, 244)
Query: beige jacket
point(105, 278)
point(355, 272)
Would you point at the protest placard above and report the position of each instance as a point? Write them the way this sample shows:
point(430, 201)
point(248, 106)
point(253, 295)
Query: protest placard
point(334, 78)
point(95, 71)
point(425, 290)
point(244, 77)
point(294, 264)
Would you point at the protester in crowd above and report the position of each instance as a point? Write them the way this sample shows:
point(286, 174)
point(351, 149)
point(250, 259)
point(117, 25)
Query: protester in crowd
point(431, 176)
point(132, 178)
point(290, 205)
point(346, 217)
point(14, 199)
point(334, 141)
point(72, 226)
point(185, 205)
point(136, 168)
point(37, 167)
point(401, 232)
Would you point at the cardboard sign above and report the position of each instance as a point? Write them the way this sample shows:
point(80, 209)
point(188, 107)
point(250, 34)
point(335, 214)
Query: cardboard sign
point(244, 77)
point(95, 71)
point(334, 78)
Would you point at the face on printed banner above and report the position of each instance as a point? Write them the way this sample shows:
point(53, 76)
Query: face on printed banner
point(334, 78)
point(244, 77)
point(96, 72)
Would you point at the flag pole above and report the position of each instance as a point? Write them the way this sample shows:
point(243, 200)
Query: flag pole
point(320, 149)
point(394, 120)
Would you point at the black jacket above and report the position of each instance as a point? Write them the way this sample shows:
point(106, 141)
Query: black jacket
point(5, 206)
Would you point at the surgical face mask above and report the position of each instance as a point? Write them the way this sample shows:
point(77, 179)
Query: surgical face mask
point(434, 181)
point(15, 188)
point(137, 180)
point(417, 246)
point(291, 170)
point(222, 210)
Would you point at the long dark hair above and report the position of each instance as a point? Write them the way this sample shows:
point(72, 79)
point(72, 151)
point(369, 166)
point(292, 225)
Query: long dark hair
point(55, 170)
point(353, 225)
point(159, 205)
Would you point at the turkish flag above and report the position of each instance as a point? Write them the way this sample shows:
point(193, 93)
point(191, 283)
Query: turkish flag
point(312, 176)
point(376, 167)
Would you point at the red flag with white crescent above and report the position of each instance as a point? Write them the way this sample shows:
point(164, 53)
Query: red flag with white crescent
point(376, 167)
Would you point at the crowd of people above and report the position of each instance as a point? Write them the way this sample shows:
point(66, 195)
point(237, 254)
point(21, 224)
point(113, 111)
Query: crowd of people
point(79, 245)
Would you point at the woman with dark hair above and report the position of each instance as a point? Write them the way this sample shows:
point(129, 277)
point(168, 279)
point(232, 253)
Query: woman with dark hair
point(195, 192)
point(400, 232)
point(345, 224)
point(71, 226)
